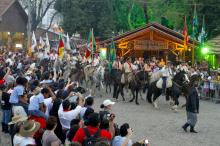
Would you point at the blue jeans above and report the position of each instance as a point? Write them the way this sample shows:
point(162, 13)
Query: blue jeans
point(6, 116)
point(37, 113)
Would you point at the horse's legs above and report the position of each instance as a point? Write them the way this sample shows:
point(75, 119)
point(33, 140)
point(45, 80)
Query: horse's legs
point(149, 94)
point(156, 95)
point(115, 91)
point(133, 94)
point(121, 91)
point(136, 101)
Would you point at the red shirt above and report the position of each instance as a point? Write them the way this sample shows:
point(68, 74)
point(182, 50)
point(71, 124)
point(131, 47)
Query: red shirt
point(42, 122)
point(80, 134)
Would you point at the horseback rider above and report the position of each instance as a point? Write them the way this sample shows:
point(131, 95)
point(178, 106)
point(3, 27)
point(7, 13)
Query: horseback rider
point(129, 70)
point(166, 72)
point(117, 64)
point(95, 61)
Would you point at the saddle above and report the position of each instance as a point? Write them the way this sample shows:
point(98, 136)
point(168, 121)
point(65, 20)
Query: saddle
point(169, 83)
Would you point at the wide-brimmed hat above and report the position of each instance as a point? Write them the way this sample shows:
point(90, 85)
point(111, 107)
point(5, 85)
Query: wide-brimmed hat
point(17, 119)
point(29, 128)
point(108, 102)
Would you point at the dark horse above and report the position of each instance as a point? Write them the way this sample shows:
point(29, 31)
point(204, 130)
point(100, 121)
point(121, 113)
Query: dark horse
point(179, 80)
point(139, 81)
point(118, 86)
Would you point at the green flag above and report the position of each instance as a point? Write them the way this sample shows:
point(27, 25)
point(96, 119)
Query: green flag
point(195, 24)
point(111, 55)
point(203, 34)
point(91, 44)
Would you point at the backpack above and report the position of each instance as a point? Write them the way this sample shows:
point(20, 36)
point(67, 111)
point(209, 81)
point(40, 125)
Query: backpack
point(91, 140)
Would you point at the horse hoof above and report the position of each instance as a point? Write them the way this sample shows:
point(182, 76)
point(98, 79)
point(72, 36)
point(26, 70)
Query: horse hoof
point(137, 103)
point(131, 100)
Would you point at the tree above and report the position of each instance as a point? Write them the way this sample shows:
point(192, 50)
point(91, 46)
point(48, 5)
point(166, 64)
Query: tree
point(39, 9)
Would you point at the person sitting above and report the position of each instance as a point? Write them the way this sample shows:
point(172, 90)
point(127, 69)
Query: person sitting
point(117, 64)
point(49, 138)
point(92, 129)
point(125, 136)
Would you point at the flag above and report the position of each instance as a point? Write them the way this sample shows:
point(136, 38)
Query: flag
point(61, 48)
point(203, 34)
point(185, 34)
point(195, 24)
point(91, 44)
point(67, 42)
point(88, 53)
point(112, 55)
point(32, 45)
point(42, 44)
point(47, 45)
point(112, 52)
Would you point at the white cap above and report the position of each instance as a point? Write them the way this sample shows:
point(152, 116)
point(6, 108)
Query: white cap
point(108, 102)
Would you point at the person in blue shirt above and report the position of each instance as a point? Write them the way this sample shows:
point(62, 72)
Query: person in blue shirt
point(36, 106)
point(18, 90)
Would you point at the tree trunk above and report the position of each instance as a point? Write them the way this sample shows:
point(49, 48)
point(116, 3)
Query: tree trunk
point(145, 13)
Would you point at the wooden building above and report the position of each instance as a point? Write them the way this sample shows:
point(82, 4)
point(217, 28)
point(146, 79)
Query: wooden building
point(13, 24)
point(153, 40)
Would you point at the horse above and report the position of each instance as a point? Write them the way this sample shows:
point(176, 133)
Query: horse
point(108, 80)
point(138, 82)
point(116, 76)
point(174, 91)
point(76, 73)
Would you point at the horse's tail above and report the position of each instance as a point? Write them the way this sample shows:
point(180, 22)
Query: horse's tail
point(149, 93)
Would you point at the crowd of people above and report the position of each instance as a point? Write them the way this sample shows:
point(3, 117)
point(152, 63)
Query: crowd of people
point(40, 108)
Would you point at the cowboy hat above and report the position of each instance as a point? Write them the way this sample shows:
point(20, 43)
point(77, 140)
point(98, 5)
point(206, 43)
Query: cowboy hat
point(29, 128)
point(16, 119)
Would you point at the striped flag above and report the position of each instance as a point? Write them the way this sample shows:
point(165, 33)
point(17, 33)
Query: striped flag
point(91, 45)
point(185, 34)
point(60, 48)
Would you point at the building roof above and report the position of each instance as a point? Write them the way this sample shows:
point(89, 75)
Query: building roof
point(155, 26)
point(6, 4)
point(3, 5)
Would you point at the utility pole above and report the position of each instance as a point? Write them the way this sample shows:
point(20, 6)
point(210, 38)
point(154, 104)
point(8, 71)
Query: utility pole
point(29, 26)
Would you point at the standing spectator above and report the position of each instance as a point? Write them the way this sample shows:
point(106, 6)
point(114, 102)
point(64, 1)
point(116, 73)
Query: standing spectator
point(192, 108)
point(28, 130)
point(88, 104)
point(92, 129)
point(15, 124)
point(18, 90)
point(49, 137)
point(6, 108)
point(125, 136)
point(36, 106)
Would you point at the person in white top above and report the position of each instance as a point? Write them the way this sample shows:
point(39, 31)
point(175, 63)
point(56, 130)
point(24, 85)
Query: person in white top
point(95, 62)
point(129, 69)
point(28, 129)
point(66, 115)
point(166, 72)
point(117, 64)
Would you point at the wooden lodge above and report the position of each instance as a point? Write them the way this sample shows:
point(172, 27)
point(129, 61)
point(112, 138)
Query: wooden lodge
point(13, 24)
point(153, 40)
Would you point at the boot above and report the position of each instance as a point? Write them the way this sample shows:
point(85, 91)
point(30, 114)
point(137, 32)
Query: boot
point(192, 130)
point(6, 128)
point(185, 127)
point(3, 127)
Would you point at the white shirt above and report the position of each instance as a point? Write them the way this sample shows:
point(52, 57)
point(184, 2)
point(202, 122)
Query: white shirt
point(9, 61)
point(128, 68)
point(95, 62)
point(27, 140)
point(49, 103)
point(17, 139)
point(67, 116)
point(35, 101)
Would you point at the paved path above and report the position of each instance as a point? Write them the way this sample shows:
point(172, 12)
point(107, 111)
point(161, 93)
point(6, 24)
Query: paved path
point(163, 127)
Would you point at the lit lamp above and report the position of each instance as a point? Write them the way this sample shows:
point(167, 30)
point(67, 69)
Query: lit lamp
point(205, 50)
point(103, 53)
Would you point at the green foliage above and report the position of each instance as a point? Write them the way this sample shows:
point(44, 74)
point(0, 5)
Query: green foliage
point(106, 16)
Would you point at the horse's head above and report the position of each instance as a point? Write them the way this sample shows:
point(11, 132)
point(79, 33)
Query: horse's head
point(181, 78)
